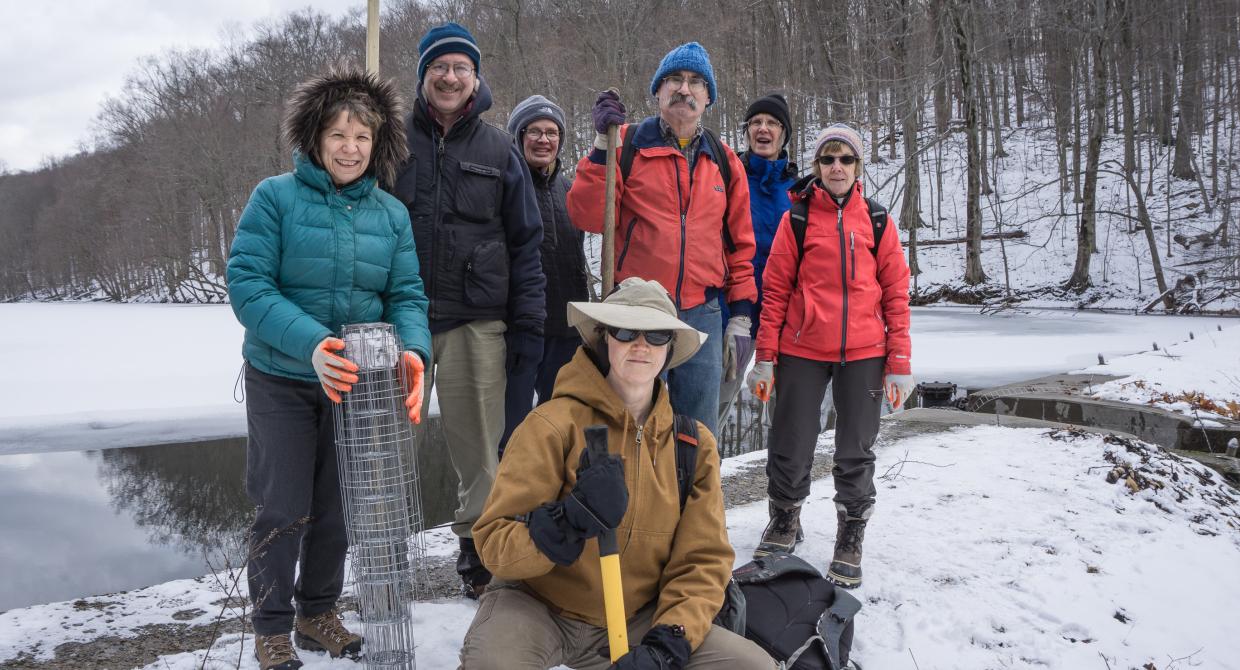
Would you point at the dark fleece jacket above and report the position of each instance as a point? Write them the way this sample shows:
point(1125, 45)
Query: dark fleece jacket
point(316, 101)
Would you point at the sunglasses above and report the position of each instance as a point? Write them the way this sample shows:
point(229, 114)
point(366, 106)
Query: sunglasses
point(655, 338)
point(830, 160)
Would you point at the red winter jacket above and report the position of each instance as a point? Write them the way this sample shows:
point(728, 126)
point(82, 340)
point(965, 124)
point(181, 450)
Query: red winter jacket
point(842, 302)
point(669, 226)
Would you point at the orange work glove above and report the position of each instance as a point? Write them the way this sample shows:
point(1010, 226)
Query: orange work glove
point(335, 373)
point(761, 380)
point(414, 369)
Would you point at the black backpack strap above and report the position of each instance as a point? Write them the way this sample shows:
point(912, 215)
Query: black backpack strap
point(878, 221)
point(836, 625)
point(725, 170)
point(686, 455)
point(627, 151)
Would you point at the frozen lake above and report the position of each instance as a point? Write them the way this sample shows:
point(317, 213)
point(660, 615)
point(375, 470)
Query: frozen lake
point(98, 376)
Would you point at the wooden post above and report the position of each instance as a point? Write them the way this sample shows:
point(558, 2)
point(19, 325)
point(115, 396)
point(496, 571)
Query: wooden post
point(609, 213)
point(372, 36)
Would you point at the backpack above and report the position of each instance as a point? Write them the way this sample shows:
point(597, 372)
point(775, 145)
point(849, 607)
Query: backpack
point(798, 217)
point(784, 605)
point(629, 150)
point(686, 455)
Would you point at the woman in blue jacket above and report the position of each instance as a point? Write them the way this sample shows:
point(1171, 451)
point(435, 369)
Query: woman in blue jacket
point(317, 248)
point(771, 173)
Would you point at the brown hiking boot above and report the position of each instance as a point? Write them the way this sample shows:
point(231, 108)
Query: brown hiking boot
point(325, 632)
point(275, 652)
point(845, 569)
point(783, 532)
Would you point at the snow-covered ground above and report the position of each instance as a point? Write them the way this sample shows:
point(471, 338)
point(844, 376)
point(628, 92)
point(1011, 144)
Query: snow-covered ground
point(1198, 377)
point(98, 375)
point(991, 547)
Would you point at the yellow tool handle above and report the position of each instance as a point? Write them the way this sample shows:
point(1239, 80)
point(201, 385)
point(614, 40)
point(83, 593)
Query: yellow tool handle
point(613, 604)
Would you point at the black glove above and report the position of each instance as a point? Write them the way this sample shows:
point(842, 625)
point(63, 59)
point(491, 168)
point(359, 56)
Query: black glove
point(608, 111)
point(525, 350)
point(599, 499)
point(552, 534)
point(664, 647)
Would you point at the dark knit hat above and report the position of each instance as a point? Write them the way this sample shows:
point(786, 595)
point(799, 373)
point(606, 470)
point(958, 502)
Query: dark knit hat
point(691, 57)
point(775, 105)
point(448, 38)
point(532, 109)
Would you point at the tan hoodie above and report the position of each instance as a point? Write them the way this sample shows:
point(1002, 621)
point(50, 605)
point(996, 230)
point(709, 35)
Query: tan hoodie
point(683, 560)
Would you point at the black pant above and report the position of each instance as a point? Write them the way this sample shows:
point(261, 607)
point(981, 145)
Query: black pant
point(291, 475)
point(800, 384)
point(521, 389)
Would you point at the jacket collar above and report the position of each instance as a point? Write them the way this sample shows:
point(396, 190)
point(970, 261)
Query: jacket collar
point(650, 134)
point(311, 174)
point(545, 179)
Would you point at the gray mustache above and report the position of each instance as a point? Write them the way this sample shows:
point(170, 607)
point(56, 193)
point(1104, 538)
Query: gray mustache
point(687, 99)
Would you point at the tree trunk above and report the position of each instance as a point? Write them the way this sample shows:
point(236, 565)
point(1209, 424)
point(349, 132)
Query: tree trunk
point(1087, 231)
point(962, 22)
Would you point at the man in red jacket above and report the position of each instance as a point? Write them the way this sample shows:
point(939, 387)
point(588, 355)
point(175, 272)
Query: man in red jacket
point(834, 310)
point(678, 222)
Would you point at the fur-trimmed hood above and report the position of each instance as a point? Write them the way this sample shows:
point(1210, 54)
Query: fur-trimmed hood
point(309, 105)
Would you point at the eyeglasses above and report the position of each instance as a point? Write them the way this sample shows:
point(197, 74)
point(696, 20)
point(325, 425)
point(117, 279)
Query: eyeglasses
point(763, 123)
point(830, 160)
point(461, 70)
point(549, 135)
point(696, 84)
point(655, 338)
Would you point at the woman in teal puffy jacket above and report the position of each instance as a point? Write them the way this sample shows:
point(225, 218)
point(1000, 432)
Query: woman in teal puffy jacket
point(317, 248)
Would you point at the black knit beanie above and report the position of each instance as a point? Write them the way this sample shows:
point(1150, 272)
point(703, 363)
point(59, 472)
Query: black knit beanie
point(775, 105)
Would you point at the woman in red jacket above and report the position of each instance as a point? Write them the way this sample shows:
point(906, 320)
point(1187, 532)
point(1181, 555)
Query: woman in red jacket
point(835, 310)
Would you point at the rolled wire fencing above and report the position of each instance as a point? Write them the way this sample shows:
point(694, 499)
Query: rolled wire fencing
point(382, 503)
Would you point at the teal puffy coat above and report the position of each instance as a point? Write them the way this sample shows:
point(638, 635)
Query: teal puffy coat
point(309, 258)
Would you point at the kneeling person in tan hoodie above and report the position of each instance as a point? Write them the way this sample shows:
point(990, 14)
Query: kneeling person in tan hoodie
point(546, 607)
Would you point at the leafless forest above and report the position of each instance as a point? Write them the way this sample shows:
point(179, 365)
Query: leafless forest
point(149, 212)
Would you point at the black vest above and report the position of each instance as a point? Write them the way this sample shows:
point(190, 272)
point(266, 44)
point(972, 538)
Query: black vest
point(453, 187)
point(563, 253)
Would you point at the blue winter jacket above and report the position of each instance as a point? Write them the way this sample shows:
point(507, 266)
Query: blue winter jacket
point(769, 182)
point(309, 258)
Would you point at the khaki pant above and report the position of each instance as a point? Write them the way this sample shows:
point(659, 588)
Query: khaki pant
point(513, 630)
point(469, 377)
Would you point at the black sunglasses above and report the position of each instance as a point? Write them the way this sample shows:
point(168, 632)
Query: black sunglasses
point(844, 160)
point(655, 338)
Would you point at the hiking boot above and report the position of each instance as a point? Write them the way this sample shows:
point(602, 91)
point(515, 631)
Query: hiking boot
point(783, 532)
point(845, 568)
point(474, 575)
point(325, 632)
point(275, 652)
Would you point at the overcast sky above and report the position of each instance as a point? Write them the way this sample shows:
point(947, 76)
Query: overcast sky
point(59, 59)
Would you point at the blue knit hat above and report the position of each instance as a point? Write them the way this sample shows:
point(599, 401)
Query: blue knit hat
point(446, 39)
point(691, 57)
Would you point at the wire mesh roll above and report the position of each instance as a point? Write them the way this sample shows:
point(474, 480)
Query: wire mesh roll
point(379, 487)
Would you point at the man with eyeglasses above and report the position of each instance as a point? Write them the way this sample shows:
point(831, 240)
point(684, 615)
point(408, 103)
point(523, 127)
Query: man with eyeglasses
point(537, 126)
point(478, 230)
point(678, 221)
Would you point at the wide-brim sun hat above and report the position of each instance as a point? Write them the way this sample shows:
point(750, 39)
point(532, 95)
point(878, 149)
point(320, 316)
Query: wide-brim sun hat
point(637, 304)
